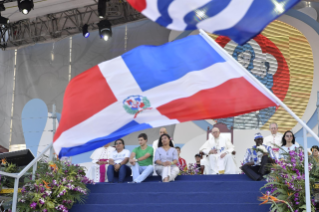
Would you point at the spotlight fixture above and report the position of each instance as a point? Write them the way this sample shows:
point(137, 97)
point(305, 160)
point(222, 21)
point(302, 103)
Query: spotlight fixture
point(105, 29)
point(101, 8)
point(25, 6)
point(85, 31)
point(4, 20)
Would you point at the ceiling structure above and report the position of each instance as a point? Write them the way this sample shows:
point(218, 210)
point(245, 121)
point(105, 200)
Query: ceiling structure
point(53, 20)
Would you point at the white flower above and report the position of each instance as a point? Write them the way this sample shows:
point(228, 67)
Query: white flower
point(262, 149)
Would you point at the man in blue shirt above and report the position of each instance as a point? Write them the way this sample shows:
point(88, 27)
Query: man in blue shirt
point(257, 158)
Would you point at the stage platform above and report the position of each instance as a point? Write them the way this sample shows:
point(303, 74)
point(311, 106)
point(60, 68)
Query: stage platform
point(219, 193)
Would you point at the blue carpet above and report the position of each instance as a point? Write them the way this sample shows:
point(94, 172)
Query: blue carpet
point(220, 193)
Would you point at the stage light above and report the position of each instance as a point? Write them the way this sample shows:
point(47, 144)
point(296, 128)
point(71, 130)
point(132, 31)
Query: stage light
point(4, 20)
point(85, 31)
point(25, 6)
point(105, 29)
point(101, 8)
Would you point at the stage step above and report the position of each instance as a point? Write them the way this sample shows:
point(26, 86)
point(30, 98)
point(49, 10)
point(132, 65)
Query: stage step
point(177, 186)
point(167, 207)
point(173, 197)
point(220, 193)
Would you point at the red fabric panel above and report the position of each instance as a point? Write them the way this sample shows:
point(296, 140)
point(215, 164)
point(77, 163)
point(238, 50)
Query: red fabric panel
point(86, 95)
point(232, 98)
point(139, 5)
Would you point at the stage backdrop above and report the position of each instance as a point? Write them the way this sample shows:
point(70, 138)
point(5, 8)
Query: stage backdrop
point(281, 58)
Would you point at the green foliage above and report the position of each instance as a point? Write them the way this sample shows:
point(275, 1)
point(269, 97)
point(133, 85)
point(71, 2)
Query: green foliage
point(9, 168)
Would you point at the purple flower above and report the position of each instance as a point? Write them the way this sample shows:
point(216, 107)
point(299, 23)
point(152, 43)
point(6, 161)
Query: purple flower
point(41, 201)
point(42, 189)
point(45, 210)
point(297, 203)
point(23, 190)
point(33, 205)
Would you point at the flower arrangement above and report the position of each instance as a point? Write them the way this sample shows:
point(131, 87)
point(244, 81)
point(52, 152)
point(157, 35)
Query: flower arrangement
point(261, 148)
point(191, 170)
point(287, 183)
point(57, 187)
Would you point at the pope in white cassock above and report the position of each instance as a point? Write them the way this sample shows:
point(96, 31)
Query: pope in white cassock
point(219, 150)
point(274, 140)
point(100, 159)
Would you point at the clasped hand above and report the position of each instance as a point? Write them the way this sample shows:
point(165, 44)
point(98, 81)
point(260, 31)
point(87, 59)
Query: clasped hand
point(167, 163)
point(213, 151)
point(117, 167)
point(102, 162)
point(132, 161)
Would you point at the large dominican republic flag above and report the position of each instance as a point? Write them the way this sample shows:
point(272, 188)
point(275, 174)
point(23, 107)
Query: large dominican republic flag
point(240, 20)
point(152, 86)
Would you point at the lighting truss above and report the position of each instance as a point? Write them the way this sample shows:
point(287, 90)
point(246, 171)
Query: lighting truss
point(56, 26)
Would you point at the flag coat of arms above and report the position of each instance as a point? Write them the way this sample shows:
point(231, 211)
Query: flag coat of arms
point(239, 20)
point(153, 86)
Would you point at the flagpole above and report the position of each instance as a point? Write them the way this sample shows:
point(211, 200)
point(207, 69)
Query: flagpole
point(222, 52)
point(306, 165)
point(234, 63)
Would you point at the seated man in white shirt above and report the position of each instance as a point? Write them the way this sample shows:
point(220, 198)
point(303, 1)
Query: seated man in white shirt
point(100, 159)
point(219, 150)
point(118, 161)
